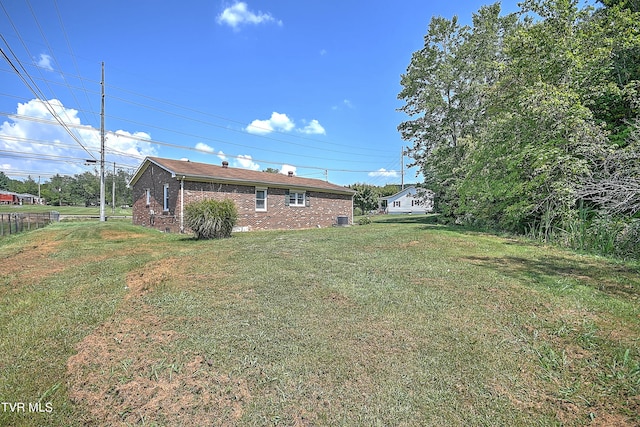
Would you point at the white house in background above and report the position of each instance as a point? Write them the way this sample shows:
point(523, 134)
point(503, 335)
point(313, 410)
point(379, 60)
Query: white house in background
point(411, 200)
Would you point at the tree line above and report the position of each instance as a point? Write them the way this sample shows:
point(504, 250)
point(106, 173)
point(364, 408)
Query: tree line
point(528, 122)
point(78, 190)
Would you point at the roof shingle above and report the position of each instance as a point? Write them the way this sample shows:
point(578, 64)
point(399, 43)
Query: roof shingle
point(194, 171)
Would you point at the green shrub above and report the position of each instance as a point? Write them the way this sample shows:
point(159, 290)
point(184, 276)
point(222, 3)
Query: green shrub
point(211, 219)
point(364, 220)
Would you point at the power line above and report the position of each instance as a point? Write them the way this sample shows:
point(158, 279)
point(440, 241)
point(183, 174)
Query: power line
point(44, 37)
point(38, 93)
point(226, 128)
point(73, 58)
point(224, 119)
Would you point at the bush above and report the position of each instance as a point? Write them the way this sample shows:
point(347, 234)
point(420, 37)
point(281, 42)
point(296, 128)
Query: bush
point(364, 220)
point(211, 219)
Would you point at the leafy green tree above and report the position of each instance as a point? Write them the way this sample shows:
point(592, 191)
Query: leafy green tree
point(616, 103)
point(28, 186)
point(4, 181)
point(59, 189)
point(446, 89)
point(433, 91)
point(86, 189)
point(633, 5)
point(541, 139)
point(365, 198)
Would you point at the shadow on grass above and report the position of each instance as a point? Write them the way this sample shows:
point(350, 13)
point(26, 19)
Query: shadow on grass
point(559, 272)
point(428, 221)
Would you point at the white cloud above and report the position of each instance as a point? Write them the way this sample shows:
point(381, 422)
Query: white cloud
point(277, 122)
point(345, 103)
point(384, 172)
point(285, 169)
point(282, 123)
point(45, 62)
point(313, 128)
point(39, 144)
point(201, 146)
point(135, 144)
point(222, 156)
point(239, 14)
point(246, 162)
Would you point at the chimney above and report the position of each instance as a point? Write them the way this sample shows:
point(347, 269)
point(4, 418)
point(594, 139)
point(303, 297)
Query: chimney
point(290, 173)
point(225, 164)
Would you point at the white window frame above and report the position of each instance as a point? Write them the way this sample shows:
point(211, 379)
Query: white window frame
point(147, 194)
point(396, 203)
point(165, 197)
point(296, 200)
point(263, 209)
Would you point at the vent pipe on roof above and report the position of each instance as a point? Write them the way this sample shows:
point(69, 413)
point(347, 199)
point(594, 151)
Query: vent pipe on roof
point(225, 164)
point(290, 173)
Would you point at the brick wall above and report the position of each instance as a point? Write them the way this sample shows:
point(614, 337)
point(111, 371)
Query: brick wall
point(321, 209)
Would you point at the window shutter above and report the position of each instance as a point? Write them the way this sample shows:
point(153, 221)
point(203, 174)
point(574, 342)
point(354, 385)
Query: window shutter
point(286, 197)
point(307, 201)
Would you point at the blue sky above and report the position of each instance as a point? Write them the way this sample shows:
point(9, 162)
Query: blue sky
point(309, 86)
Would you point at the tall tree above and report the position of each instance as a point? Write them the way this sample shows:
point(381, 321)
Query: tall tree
point(433, 90)
point(445, 89)
point(542, 138)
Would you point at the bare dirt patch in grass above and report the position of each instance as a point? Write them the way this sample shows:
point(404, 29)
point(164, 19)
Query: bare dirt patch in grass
point(140, 281)
point(124, 373)
point(31, 259)
point(120, 235)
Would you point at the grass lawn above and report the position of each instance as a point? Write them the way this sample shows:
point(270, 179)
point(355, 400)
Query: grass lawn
point(64, 210)
point(399, 322)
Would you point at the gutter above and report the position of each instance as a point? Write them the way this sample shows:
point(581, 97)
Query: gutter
point(206, 178)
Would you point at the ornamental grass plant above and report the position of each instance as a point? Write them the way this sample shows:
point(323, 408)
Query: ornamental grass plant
point(211, 219)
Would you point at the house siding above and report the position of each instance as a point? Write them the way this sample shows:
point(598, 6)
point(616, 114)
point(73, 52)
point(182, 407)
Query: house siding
point(322, 211)
point(409, 203)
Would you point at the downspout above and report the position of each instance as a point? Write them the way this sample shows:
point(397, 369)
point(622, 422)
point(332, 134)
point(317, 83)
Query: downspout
point(352, 196)
point(182, 205)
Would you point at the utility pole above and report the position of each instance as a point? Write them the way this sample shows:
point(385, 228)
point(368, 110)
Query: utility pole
point(102, 217)
point(113, 194)
point(402, 168)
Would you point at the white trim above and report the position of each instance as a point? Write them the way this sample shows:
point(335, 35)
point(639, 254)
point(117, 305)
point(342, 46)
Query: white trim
point(165, 197)
point(297, 193)
point(266, 195)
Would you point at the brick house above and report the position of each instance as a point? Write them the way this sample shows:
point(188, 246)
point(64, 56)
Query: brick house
point(265, 201)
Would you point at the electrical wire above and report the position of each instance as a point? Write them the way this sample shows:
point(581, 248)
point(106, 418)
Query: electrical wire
point(73, 57)
point(71, 88)
point(35, 91)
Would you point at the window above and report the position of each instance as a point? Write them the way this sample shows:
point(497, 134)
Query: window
point(261, 199)
point(166, 197)
point(147, 195)
point(296, 198)
point(396, 204)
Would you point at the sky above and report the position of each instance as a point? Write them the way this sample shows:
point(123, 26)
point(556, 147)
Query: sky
point(305, 86)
